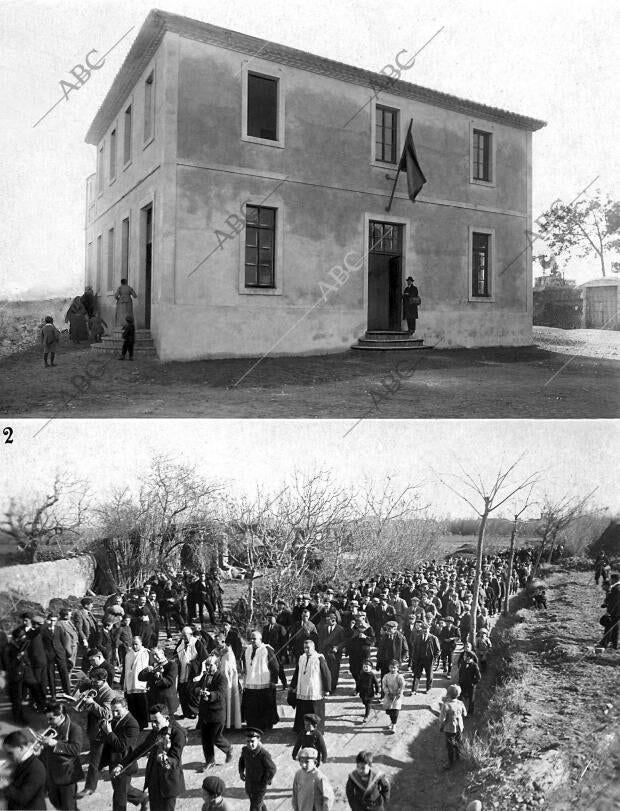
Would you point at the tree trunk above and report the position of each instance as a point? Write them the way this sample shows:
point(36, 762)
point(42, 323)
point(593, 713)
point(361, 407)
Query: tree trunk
point(511, 560)
point(541, 549)
point(251, 599)
point(474, 605)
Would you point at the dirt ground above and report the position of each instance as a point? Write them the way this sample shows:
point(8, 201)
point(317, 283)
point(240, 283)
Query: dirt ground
point(565, 753)
point(526, 382)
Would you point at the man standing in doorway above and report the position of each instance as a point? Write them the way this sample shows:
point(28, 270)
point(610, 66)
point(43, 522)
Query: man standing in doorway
point(411, 300)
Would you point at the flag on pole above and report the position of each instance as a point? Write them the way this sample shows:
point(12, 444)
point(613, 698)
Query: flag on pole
point(409, 163)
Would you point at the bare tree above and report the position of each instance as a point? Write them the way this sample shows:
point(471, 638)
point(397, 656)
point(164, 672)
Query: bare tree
point(57, 516)
point(518, 510)
point(494, 493)
point(144, 533)
point(556, 516)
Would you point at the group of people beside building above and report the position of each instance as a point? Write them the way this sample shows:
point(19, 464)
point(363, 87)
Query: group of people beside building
point(85, 322)
point(129, 672)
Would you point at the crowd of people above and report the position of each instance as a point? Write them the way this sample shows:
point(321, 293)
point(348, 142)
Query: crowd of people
point(120, 685)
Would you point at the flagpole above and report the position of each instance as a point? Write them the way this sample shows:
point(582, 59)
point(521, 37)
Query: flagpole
point(389, 205)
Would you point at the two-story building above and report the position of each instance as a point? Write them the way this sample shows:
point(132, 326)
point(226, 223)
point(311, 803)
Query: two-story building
point(242, 188)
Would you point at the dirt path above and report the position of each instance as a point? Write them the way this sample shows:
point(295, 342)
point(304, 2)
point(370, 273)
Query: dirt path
point(524, 382)
point(344, 738)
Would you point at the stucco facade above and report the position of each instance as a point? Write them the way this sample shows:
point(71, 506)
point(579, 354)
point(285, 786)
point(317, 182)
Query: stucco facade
point(200, 170)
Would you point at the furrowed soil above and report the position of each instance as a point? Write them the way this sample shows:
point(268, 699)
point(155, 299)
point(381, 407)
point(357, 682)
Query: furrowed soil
point(562, 754)
point(517, 382)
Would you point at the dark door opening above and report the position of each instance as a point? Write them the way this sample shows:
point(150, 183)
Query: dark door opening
point(148, 263)
point(385, 276)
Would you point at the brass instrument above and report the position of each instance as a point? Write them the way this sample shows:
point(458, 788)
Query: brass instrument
point(41, 739)
point(80, 699)
point(163, 747)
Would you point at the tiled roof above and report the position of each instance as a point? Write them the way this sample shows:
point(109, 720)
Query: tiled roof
point(158, 22)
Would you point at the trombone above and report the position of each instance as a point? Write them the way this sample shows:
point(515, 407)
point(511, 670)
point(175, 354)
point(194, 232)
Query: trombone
point(41, 739)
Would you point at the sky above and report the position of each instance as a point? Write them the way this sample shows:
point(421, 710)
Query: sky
point(550, 59)
point(572, 457)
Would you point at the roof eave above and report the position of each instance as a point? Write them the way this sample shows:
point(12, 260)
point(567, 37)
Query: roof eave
point(158, 22)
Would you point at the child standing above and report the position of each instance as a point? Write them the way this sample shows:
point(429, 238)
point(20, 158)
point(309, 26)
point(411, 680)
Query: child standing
point(367, 788)
point(256, 768)
point(451, 722)
point(96, 326)
point(368, 687)
point(129, 338)
point(393, 688)
point(49, 338)
point(311, 738)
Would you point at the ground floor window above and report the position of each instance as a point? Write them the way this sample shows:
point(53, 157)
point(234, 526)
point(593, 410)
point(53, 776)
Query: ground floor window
point(480, 265)
point(260, 237)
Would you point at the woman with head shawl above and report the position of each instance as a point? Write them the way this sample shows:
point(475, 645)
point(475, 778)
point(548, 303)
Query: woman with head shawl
point(76, 318)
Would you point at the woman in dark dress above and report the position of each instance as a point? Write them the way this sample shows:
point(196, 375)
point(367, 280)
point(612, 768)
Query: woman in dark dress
point(76, 318)
point(411, 299)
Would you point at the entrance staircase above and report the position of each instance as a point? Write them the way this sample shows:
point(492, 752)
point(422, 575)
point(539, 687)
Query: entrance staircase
point(388, 340)
point(113, 343)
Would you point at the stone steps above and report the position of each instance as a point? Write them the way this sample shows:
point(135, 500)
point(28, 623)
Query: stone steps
point(113, 343)
point(389, 340)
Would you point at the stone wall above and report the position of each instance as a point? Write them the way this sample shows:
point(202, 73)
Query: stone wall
point(40, 582)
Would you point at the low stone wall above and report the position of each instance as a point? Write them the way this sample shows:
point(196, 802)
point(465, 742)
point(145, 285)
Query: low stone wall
point(40, 582)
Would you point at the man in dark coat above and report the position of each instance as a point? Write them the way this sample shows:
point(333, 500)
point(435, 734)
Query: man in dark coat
point(26, 790)
point(300, 631)
point(392, 645)
point(85, 624)
point(256, 769)
point(212, 713)
point(331, 642)
point(359, 647)
point(163, 776)
point(426, 650)
point(61, 758)
point(120, 738)
point(275, 635)
point(410, 304)
point(161, 678)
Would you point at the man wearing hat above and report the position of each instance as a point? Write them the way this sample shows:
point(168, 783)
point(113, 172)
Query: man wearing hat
point(330, 643)
point(411, 299)
point(256, 768)
point(426, 651)
point(311, 790)
point(65, 647)
point(212, 789)
point(392, 645)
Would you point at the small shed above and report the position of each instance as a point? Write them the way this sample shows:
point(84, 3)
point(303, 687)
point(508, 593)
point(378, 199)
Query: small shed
point(601, 303)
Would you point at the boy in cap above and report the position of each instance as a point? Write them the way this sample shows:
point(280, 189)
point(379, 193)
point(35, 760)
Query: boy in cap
point(256, 769)
point(311, 791)
point(212, 789)
point(311, 738)
point(368, 687)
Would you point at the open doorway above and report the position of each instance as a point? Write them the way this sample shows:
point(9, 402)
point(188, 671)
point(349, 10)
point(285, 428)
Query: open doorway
point(146, 240)
point(385, 276)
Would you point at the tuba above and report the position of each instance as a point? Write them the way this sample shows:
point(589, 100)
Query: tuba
point(41, 739)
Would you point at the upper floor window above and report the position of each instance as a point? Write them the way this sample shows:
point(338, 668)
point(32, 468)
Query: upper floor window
point(386, 134)
point(481, 264)
point(149, 107)
point(100, 170)
point(127, 136)
point(482, 161)
point(113, 154)
point(262, 107)
point(260, 237)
